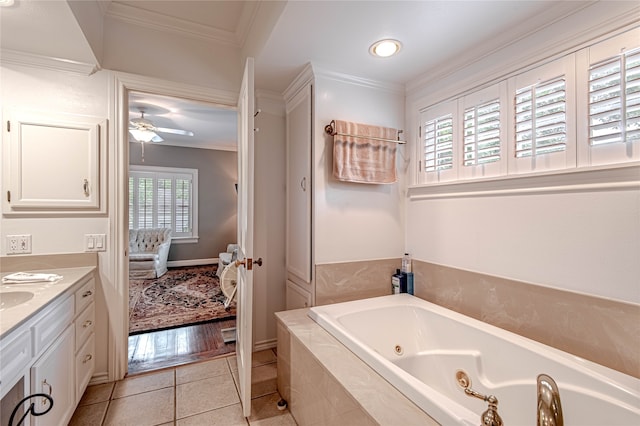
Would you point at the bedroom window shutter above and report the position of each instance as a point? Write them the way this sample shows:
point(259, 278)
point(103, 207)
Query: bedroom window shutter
point(482, 134)
point(438, 143)
point(145, 202)
point(165, 201)
point(541, 125)
point(614, 99)
point(183, 206)
point(162, 197)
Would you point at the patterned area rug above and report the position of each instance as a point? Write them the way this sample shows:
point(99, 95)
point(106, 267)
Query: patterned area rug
point(183, 296)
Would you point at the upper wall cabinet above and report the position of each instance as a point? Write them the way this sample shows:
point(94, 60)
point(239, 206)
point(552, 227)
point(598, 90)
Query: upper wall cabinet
point(52, 164)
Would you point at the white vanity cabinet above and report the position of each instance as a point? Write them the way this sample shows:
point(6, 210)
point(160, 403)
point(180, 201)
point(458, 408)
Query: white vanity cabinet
point(52, 163)
point(51, 375)
point(299, 119)
point(52, 352)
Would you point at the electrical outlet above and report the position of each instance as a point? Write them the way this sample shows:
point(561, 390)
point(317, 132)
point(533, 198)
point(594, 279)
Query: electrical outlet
point(19, 244)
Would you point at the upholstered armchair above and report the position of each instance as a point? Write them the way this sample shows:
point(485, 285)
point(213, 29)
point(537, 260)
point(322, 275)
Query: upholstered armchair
point(148, 252)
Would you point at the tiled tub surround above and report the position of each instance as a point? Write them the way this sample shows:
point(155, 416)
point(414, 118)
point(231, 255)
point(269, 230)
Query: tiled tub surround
point(343, 282)
point(603, 331)
point(325, 383)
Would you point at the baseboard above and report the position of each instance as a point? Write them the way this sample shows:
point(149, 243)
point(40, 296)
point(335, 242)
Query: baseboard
point(265, 344)
point(99, 378)
point(192, 262)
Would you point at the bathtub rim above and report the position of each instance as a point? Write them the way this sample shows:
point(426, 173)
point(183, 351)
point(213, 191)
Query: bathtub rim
point(328, 316)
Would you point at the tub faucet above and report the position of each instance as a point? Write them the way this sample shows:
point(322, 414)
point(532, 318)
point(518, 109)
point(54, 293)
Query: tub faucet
point(549, 408)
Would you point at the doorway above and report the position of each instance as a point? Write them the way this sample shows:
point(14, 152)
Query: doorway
point(182, 176)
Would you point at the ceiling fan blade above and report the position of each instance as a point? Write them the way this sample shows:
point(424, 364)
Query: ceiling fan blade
point(174, 131)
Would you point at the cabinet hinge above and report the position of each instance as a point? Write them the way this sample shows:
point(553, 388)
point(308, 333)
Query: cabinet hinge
point(8, 196)
point(8, 126)
point(420, 132)
point(419, 165)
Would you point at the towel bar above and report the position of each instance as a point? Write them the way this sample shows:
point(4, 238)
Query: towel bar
point(330, 130)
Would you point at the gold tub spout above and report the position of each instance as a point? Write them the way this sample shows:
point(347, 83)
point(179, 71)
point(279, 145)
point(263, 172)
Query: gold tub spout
point(549, 407)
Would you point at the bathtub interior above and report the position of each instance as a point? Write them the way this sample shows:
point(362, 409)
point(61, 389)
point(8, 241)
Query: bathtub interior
point(419, 347)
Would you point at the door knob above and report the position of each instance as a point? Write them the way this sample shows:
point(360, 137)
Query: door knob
point(248, 263)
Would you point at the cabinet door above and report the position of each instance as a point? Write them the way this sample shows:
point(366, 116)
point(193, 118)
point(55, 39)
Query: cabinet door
point(297, 297)
point(299, 185)
point(53, 374)
point(52, 162)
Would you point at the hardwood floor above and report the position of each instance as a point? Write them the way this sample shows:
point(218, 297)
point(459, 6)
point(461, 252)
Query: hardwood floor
point(177, 346)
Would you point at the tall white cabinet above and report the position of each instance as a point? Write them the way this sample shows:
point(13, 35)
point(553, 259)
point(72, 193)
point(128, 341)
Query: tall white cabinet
point(299, 235)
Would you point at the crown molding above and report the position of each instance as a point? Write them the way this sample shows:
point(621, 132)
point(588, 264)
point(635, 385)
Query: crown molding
point(270, 102)
point(305, 77)
point(46, 62)
point(160, 22)
point(360, 81)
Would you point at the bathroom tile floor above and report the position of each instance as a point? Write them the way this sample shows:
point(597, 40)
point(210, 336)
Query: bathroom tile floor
point(203, 393)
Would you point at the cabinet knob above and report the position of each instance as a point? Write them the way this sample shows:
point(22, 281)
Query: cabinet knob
point(87, 293)
point(87, 323)
point(85, 187)
point(87, 358)
point(303, 183)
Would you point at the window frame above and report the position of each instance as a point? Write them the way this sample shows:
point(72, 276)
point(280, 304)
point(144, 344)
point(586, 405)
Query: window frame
point(173, 173)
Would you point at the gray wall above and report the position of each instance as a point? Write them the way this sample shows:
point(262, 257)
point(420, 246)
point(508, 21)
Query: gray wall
point(217, 200)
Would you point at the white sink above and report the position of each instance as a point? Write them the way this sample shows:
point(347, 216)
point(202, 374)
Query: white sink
point(9, 299)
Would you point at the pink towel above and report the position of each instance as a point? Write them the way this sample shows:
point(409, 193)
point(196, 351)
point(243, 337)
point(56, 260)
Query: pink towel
point(361, 159)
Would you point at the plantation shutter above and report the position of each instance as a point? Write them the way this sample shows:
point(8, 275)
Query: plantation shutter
point(438, 143)
point(183, 206)
point(145, 202)
point(161, 198)
point(541, 122)
point(165, 202)
point(482, 133)
point(614, 99)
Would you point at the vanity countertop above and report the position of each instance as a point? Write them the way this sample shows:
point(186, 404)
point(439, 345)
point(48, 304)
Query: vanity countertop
point(44, 293)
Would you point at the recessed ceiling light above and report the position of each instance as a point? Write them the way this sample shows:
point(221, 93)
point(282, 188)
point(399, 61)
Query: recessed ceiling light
point(6, 3)
point(385, 48)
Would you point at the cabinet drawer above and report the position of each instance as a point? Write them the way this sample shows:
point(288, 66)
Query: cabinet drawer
point(15, 356)
point(85, 365)
point(51, 325)
point(85, 295)
point(85, 324)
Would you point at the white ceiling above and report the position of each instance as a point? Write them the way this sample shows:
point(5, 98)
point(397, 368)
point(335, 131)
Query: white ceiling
point(437, 36)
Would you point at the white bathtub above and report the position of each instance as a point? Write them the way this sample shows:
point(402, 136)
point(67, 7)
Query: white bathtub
point(436, 342)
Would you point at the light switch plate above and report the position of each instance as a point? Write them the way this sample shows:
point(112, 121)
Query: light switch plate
point(95, 242)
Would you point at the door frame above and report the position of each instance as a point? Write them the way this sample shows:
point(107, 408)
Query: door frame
point(121, 85)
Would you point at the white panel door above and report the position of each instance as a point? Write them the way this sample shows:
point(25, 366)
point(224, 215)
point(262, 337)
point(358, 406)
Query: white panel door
point(244, 325)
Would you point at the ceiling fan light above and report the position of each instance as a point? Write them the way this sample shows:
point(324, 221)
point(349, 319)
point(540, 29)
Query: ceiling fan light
point(142, 135)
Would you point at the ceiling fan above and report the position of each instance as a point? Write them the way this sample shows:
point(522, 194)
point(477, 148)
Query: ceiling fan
point(144, 130)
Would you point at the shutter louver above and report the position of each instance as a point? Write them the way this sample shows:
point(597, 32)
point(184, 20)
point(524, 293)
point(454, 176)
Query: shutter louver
point(541, 126)
point(614, 99)
point(482, 134)
point(438, 144)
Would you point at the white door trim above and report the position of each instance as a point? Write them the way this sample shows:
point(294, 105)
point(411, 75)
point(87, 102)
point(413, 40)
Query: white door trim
point(121, 85)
